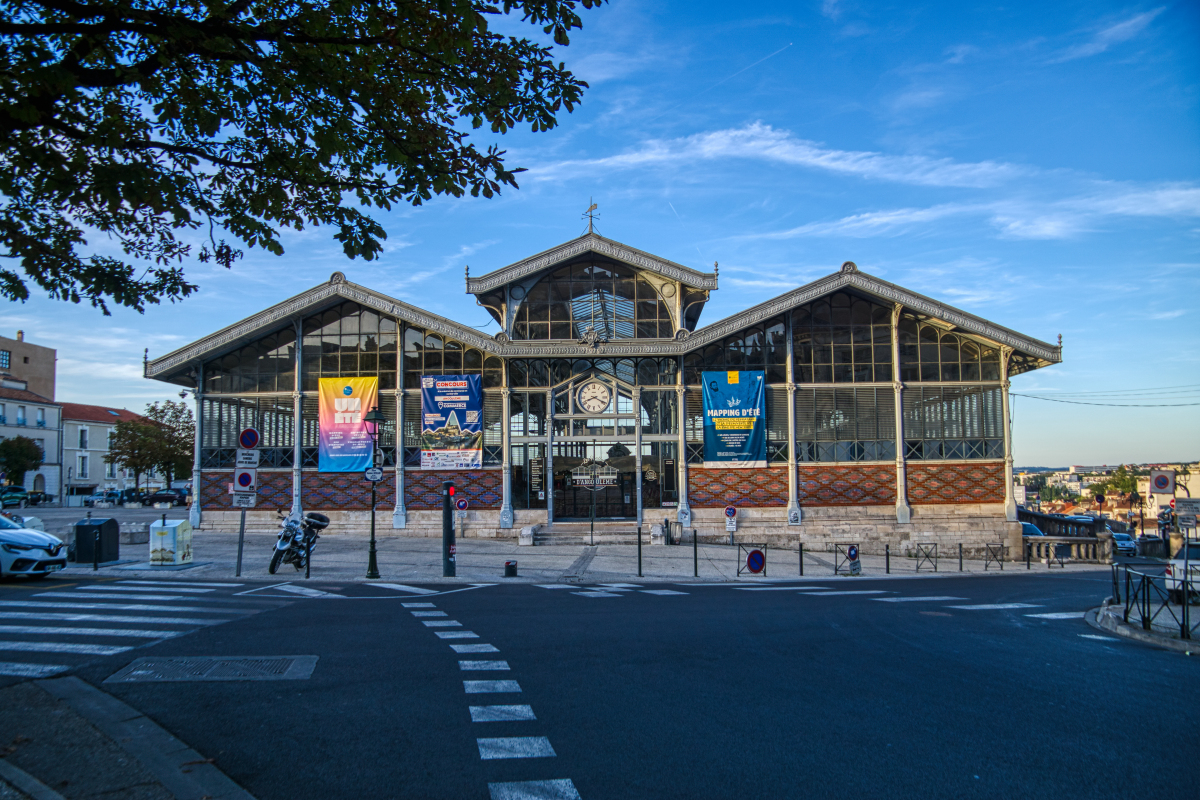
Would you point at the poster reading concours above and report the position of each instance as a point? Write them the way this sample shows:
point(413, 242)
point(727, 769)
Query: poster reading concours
point(735, 419)
point(345, 443)
point(451, 422)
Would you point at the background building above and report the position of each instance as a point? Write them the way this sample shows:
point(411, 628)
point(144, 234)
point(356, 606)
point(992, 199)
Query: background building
point(86, 432)
point(25, 413)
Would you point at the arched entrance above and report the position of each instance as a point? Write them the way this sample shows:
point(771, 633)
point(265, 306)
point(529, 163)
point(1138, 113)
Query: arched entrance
point(39, 482)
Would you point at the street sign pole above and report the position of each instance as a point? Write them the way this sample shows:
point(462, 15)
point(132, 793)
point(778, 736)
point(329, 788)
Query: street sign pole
point(241, 542)
point(372, 564)
point(447, 530)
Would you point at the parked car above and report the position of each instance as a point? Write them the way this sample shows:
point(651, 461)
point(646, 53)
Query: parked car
point(1124, 544)
point(1175, 573)
point(12, 496)
point(37, 498)
point(1029, 529)
point(30, 552)
point(164, 496)
point(110, 496)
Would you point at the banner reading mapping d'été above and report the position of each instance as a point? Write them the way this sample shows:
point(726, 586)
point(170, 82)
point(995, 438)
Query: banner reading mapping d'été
point(451, 422)
point(735, 419)
point(345, 443)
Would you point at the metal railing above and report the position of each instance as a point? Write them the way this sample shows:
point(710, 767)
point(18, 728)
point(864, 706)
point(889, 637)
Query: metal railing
point(927, 553)
point(1052, 525)
point(1163, 601)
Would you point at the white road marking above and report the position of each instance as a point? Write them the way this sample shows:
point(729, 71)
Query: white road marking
point(1059, 615)
point(57, 647)
point(430, 614)
point(777, 588)
point(515, 747)
point(456, 635)
point(620, 585)
point(995, 606)
point(596, 594)
point(483, 665)
point(301, 590)
point(30, 670)
point(418, 605)
point(400, 587)
point(554, 586)
point(160, 588)
point(137, 634)
point(832, 594)
point(108, 618)
point(474, 648)
point(1097, 637)
point(716, 584)
point(501, 713)
point(490, 687)
point(561, 789)
point(932, 599)
point(441, 623)
point(91, 596)
point(117, 606)
point(660, 591)
point(180, 583)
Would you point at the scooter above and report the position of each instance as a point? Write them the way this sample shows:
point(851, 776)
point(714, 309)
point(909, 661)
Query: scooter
point(297, 539)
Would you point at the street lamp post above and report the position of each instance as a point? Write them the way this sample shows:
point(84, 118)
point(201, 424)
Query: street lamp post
point(373, 419)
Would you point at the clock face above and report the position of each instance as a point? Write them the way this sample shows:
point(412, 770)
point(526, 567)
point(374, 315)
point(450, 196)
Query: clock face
point(594, 397)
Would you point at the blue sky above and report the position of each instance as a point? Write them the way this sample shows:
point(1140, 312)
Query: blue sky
point(1036, 164)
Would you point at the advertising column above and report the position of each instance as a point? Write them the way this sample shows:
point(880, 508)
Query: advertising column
point(735, 419)
point(345, 444)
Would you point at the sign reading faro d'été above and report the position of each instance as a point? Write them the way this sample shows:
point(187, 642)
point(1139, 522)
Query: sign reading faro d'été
point(735, 419)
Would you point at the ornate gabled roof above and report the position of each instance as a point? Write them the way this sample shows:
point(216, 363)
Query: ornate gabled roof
point(595, 243)
point(336, 290)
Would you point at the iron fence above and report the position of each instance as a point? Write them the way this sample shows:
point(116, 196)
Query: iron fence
point(1162, 601)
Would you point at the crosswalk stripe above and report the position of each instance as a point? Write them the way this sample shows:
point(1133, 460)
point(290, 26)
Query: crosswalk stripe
point(995, 606)
point(555, 586)
point(109, 618)
point(121, 606)
point(92, 596)
point(491, 687)
point(429, 613)
point(560, 789)
point(180, 583)
point(776, 588)
point(59, 647)
point(663, 592)
point(596, 594)
point(456, 635)
point(16, 670)
point(474, 648)
point(501, 713)
point(161, 587)
point(1059, 615)
point(399, 587)
point(515, 747)
point(418, 605)
point(832, 594)
point(137, 634)
point(301, 590)
point(483, 665)
point(914, 599)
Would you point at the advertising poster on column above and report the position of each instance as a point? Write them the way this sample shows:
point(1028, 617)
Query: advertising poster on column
point(345, 443)
point(735, 419)
point(451, 422)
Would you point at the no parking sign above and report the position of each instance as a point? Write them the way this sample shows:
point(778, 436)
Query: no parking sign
point(1162, 481)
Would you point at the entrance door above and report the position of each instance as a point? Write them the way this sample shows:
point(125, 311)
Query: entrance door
point(614, 479)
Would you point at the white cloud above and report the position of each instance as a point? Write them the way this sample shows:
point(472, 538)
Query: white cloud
point(1168, 314)
point(1107, 37)
point(831, 9)
point(762, 142)
point(874, 223)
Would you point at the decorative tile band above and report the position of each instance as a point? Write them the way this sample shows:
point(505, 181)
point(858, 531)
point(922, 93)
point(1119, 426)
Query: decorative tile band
point(744, 488)
point(846, 485)
point(968, 482)
point(423, 489)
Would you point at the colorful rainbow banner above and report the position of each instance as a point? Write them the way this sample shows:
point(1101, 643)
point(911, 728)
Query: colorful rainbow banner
point(345, 444)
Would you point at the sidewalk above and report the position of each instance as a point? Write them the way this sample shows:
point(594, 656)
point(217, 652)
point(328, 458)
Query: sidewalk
point(412, 559)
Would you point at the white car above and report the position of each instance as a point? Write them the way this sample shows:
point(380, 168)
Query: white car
point(27, 551)
point(1174, 573)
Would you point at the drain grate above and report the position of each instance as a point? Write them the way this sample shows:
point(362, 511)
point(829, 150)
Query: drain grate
point(217, 668)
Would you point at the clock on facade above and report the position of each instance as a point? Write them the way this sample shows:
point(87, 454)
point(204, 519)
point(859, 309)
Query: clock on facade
point(594, 397)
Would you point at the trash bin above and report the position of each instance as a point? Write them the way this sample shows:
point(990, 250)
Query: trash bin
point(510, 569)
point(85, 540)
point(170, 543)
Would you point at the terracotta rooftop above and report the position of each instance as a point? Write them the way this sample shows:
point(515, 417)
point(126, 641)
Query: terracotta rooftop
point(26, 395)
point(78, 412)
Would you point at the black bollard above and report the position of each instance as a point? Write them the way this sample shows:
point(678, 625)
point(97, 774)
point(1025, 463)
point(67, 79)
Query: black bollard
point(887, 558)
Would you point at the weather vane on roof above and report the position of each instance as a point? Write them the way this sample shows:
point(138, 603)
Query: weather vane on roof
point(591, 214)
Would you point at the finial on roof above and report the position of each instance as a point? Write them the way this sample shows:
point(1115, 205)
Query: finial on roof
point(146, 356)
point(1060, 340)
point(716, 268)
point(591, 214)
point(849, 266)
point(337, 277)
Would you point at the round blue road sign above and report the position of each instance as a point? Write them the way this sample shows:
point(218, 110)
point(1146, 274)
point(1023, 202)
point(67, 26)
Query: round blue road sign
point(461, 504)
point(852, 552)
point(755, 561)
point(244, 480)
point(1161, 482)
point(730, 511)
point(248, 439)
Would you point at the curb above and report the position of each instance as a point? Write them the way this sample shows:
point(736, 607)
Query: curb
point(26, 782)
point(1100, 619)
point(185, 773)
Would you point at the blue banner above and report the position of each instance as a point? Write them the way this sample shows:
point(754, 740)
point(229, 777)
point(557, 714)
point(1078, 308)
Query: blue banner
point(735, 419)
point(452, 422)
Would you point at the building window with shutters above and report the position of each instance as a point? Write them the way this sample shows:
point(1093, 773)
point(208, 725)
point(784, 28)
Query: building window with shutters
point(81, 470)
point(83, 438)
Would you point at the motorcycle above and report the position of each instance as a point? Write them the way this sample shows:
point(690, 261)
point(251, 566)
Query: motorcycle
point(297, 540)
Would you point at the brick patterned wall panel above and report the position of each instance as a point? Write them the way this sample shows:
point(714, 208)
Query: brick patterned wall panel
point(423, 488)
point(846, 485)
point(346, 491)
point(745, 488)
point(966, 482)
point(274, 490)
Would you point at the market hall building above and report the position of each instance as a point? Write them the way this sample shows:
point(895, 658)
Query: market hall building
point(884, 412)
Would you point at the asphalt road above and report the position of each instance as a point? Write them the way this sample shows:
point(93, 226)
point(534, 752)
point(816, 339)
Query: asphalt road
point(715, 692)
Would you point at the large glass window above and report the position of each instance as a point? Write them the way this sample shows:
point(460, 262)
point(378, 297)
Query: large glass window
point(429, 353)
point(842, 339)
point(928, 353)
point(268, 365)
point(759, 347)
point(845, 424)
point(953, 422)
point(349, 341)
point(609, 298)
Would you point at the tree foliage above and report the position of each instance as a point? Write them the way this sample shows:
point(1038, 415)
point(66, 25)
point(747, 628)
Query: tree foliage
point(19, 455)
point(162, 124)
point(136, 446)
point(177, 437)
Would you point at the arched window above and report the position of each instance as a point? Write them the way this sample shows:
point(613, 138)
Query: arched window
point(607, 298)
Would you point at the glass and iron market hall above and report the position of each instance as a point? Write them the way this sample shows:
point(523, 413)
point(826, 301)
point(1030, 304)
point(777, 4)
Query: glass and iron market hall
point(885, 411)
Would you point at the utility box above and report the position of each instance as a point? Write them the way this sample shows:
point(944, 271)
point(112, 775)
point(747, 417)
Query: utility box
point(85, 540)
point(170, 543)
